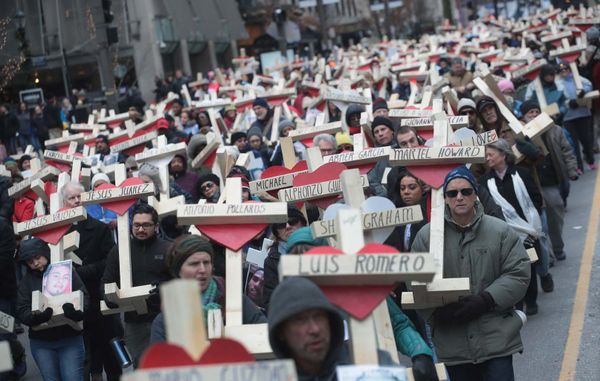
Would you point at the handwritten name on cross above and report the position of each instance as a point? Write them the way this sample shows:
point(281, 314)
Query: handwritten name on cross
point(127, 296)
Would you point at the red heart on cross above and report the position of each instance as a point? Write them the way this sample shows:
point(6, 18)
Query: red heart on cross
point(359, 301)
point(53, 236)
point(569, 58)
point(232, 236)
point(220, 351)
point(278, 170)
point(63, 167)
point(122, 206)
point(326, 172)
point(432, 175)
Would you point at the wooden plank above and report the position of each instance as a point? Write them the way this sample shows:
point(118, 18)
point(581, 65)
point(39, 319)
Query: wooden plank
point(205, 153)
point(355, 158)
point(315, 191)
point(183, 326)
point(359, 269)
point(48, 172)
point(276, 370)
point(61, 218)
point(437, 155)
point(142, 139)
point(117, 194)
point(218, 214)
point(457, 121)
point(6, 362)
point(273, 183)
point(7, 323)
point(410, 113)
point(372, 221)
point(159, 153)
point(345, 97)
point(310, 132)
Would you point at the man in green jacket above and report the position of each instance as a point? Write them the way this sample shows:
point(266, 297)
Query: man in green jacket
point(477, 335)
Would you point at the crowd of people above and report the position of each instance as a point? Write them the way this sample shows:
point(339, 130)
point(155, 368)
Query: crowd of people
point(494, 213)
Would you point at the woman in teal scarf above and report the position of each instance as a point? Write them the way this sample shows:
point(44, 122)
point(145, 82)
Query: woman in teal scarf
point(191, 257)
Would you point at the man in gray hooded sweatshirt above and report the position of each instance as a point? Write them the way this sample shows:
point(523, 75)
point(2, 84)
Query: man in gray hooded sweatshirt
point(305, 327)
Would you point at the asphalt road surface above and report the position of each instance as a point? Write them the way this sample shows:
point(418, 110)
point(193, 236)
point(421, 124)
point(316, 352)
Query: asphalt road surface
point(568, 317)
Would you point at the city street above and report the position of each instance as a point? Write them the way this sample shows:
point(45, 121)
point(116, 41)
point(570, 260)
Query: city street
point(546, 334)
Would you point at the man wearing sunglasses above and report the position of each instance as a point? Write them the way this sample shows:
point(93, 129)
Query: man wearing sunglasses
point(466, 106)
point(477, 335)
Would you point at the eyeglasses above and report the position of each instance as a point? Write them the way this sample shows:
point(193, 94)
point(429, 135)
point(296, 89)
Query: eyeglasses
point(454, 192)
point(207, 186)
point(144, 226)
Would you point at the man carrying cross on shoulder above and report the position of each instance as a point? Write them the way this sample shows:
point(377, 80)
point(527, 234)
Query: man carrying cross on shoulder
point(148, 266)
point(477, 335)
point(306, 327)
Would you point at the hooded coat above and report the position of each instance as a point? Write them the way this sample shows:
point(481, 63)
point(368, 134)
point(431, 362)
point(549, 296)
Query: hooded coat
point(491, 254)
point(32, 281)
point(187, 180)
point(293, 296)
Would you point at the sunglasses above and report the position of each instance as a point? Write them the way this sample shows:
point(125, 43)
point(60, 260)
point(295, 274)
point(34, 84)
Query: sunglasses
point(207, 186)
point(465, 192)
point(467, 112)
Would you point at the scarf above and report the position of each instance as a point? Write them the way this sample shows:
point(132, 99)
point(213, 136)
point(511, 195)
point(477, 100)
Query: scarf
point(533, 225)
point(210, 297)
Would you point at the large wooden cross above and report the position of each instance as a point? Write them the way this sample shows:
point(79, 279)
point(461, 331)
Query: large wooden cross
point(58, 218)
point(233, 211)
point(353, 268)
point(185, 328)
point(125, 295)
point(441, 290)
point(160, 157)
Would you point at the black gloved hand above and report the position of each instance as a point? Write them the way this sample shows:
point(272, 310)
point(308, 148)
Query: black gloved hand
point(70, 312)
point(581, 94)
point(529, 242)
point(423, 368)
point(573, 103)
point(473, 306)
point(445, 314)
point(42, 317)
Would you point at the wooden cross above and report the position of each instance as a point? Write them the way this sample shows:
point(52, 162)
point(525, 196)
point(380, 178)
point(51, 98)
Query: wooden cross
point(427, 123)
point(342, 99)
point(282, 181)
point(532, 68)
point(184, 324)
point(7, 323)
point(441, 290)
point(532, 130)
point(65, 140)
point(112, 120)
point(350, 268)
point(127, 296)
point(315, 191)
point(160, 157)
point(90, 127)
point(233, 211)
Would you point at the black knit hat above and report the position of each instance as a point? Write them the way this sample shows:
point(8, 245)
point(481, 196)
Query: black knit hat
point(547, 70)
point(31, 247)
point(529, 105)
point(237, 136)
point(382, 121)
point(209, 177)
point(260, 102)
